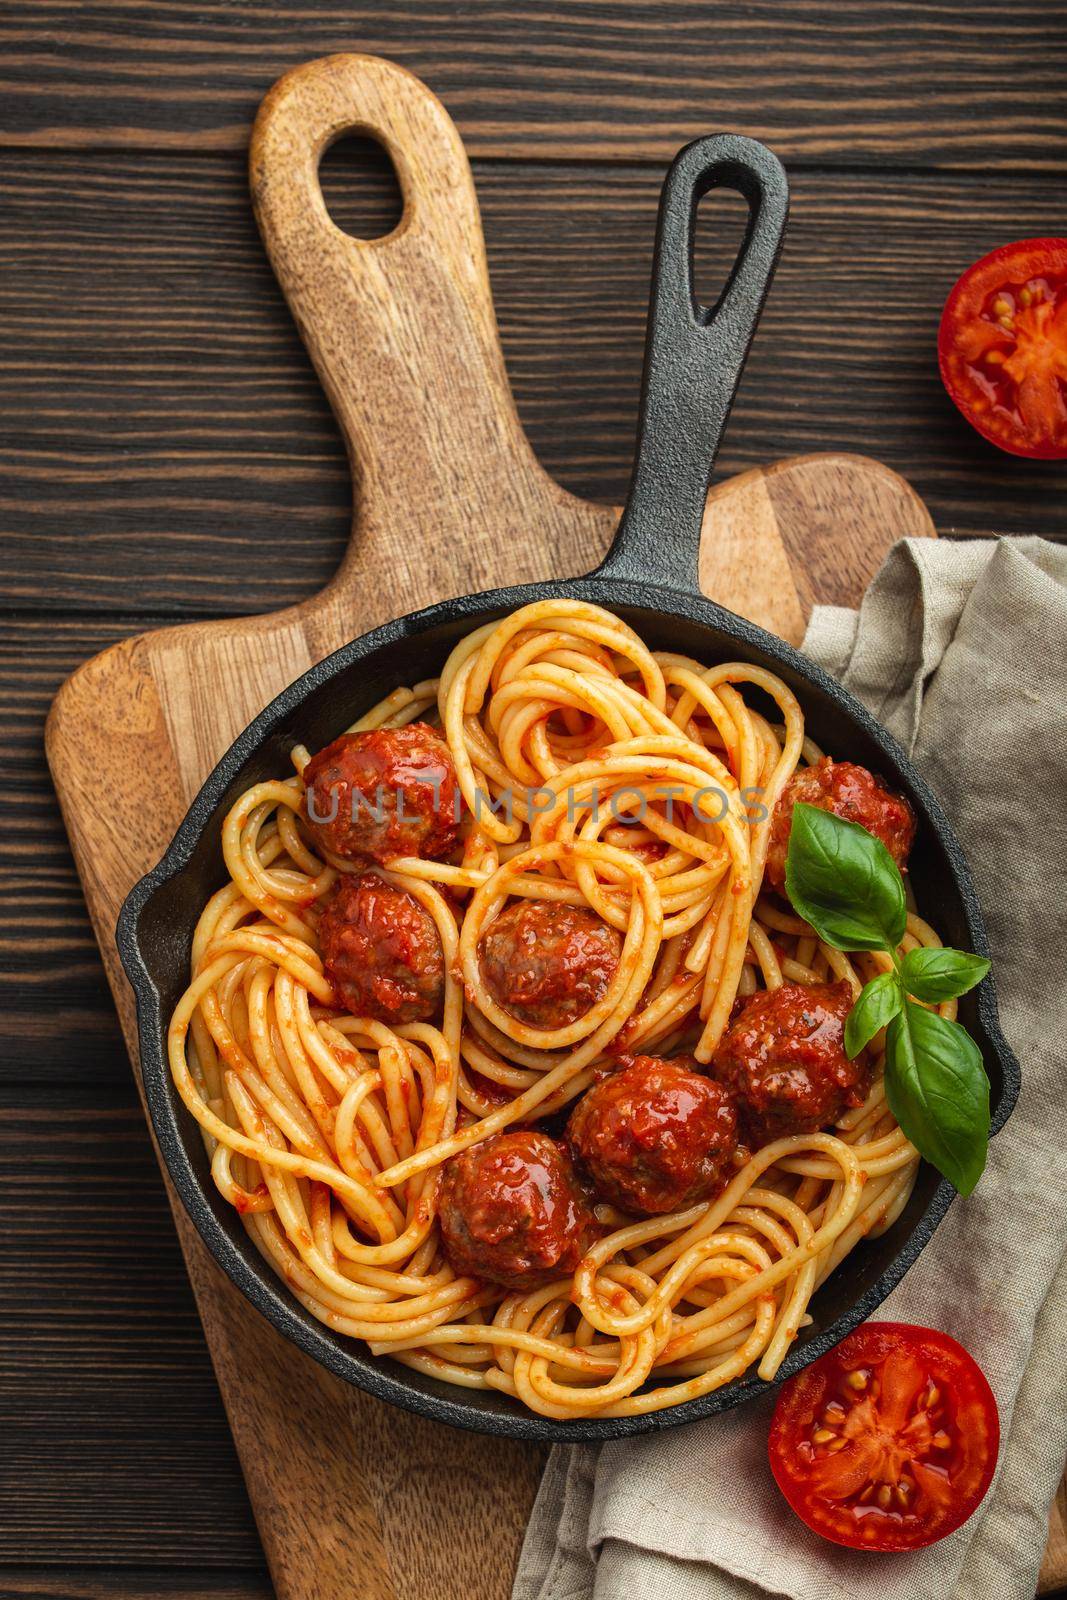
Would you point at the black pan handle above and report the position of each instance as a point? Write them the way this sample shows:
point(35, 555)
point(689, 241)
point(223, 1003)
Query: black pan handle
point(694, 356)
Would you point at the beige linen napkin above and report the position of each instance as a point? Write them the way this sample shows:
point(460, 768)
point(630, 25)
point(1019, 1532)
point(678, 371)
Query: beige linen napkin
point(961, 650)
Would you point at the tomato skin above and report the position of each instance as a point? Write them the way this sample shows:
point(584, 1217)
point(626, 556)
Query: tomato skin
point(887, 1442)
point(1008, 376)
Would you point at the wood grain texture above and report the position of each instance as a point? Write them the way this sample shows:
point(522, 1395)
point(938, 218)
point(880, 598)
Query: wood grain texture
point(402, 335)
point(77, 1409)
point(60, 1582)
point(57, 1022)
point(157, 405)
point(980, 83)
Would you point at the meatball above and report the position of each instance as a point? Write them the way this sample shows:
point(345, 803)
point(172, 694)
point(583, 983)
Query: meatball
point(381, 951)
point(850, 792)
point(384, 793)
point(513, 1211)
point(546, 964)
point(783, 1057)
point(655, 1136)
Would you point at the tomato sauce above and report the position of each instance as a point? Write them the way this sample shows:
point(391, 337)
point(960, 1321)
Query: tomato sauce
point(547, 964)
point(513, 1211)
point(848, 791)
point(783, 1056)
point(656, 1136)
point(381, 951)
point(383, 793)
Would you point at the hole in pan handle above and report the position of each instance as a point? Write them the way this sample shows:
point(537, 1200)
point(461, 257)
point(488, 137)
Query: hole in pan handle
point(694, 356)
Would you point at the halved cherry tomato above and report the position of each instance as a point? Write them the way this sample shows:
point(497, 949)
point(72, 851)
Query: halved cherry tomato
point(889, 1441)
point(1003, 347)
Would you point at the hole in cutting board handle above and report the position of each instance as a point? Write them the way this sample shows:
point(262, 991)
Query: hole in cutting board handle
point(360, 187)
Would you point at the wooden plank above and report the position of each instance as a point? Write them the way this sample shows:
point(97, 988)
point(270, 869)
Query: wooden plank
point(115, 1447)
point(165, 443)
point(144, 1583)
point(979, 83)
point(57, 1021)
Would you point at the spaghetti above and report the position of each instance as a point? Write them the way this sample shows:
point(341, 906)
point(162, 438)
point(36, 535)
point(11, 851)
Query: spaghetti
point(598, 774)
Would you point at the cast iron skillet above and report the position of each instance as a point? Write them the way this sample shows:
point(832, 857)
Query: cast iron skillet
point(693, 360)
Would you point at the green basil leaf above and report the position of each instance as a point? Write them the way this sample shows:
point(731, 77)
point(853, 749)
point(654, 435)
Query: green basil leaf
point(843, 880)
point(876, 1005)
point(936, 975)
point(939, 1093)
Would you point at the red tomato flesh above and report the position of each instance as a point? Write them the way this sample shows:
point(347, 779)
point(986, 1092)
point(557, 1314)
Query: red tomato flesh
point(889, 1441)
point(1003, 347)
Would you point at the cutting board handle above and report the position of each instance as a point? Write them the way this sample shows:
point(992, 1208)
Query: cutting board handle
point(401, 329)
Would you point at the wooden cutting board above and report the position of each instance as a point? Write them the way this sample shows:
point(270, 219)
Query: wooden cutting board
point(352, 1497)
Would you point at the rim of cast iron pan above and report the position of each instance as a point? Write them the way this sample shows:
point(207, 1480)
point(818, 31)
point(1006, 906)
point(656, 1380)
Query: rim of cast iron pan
point(237, 1256)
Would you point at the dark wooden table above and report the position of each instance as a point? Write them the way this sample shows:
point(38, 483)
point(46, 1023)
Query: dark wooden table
point(157, 406)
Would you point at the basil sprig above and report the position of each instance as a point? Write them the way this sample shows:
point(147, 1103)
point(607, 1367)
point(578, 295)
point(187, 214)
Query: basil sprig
point(843, 881)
